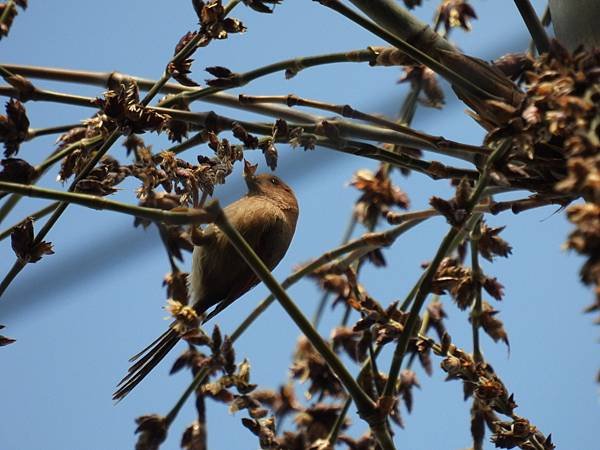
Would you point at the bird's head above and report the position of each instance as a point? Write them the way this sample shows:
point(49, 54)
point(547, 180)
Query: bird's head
point(270, 186)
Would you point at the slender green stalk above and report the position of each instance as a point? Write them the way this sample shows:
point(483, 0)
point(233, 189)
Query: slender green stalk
point(323, 301)
point(293, 65)
point(187, 217)
point(367, 409)
point(534, 25)
point(433, 169)
point(8, 6)
point(438, 142)
point(197, 381)
point(230, 5)
point(339, 421)
point(181, 54)
point(37, 132)
point(345, 128)
point(35, 216)
point(400, 22)
point(427, 278)
point(477, 304)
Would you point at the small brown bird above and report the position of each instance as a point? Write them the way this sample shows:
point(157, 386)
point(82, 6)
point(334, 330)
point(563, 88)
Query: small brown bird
point(266, 217)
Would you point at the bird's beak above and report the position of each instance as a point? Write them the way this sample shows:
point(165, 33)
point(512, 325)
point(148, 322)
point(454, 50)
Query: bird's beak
point(249, 177)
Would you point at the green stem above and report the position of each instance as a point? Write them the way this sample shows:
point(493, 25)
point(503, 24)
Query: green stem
point(339, 421)
point(315, 125)
point(400, 22)
point(366, 407)
point(35, 216)
point(293, 64)
point(433, 169)
point(37, 132)
point(441, 144)
point(8, 6)
point(321, 307)
point(181, 54)
point(535, 27)
point(187, 217)
point(477, 305)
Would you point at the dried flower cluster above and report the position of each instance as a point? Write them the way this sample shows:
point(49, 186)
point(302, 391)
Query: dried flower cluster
point(378, 196)
point(14, 127)
point(557, 128)
point(456, 13)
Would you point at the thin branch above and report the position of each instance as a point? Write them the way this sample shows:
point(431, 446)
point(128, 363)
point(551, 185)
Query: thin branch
point(8, 6)
point(450, 75)
point(316, 125)
point(35, 216)
point(400, 22)
point(477, 304)
point(432, 169)
point(339, 421)
point(185, 217)
point(516, 206)
point(426, 280)
point(345, 238)
point(437, 142)
point(37, 132)
point(291, 66)
point(534, 25)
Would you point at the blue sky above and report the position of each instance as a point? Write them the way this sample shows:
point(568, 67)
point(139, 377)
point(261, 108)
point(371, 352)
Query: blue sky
point(79, 314)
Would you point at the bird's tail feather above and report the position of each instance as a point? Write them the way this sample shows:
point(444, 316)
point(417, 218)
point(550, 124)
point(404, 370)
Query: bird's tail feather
point(145, 361)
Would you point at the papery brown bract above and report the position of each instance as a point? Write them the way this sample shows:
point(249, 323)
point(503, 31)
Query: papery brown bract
point(152, 430)
point(181, 69)
point(310, 366)
point(490, 244)
point(123, 107)
point(378, 196)
point(14, 127)
point(491, 324)
point(421, 77)
point(456, 13)
point(5, 340)
point(17, 170)
point(316, 421)
point(24, 245)
point(194, 437)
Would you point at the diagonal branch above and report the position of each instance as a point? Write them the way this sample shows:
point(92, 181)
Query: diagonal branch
point(366, 407)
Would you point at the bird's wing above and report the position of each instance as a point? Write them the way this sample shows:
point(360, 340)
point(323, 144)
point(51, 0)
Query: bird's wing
point(224, 275)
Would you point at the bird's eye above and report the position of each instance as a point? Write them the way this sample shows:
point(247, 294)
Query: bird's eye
point(274, 181)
